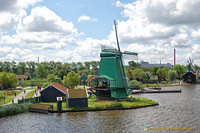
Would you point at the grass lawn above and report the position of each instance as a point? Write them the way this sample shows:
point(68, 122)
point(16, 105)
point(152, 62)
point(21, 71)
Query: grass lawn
point(9, 96)
point(31, 88)
point(165, 85)
point(55, 105)
point(30, 94)
point(95, 104)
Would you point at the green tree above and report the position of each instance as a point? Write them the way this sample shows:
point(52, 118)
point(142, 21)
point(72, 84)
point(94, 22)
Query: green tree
point(162, 73)
point(12, 80)
point(4, 80)
point(196, 67)
point(87, 65)
point(6, 66)
point(41, 71)
point(51, 78)
point(21, 68)
point(72, 79)
point(31, 67)
point(13, 67)
point(180, 69)
point(154, 70)
point(139, 74)
point(172, 75)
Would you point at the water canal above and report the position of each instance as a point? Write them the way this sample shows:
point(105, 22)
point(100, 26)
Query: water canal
point(177, 112)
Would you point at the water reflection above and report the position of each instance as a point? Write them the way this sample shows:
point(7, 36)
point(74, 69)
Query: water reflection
point(176, 110)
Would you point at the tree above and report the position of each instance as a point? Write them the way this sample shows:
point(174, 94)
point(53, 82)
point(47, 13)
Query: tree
point(51, 78)
point(13, 67)
point(172, 75)
point(196, 67)
point(72, 79)
point(87, 65)
point(133, 64)
point(74, 67)
point(4, 80)
point(8, 80)
point(6, 66)
point(41, 71)
point(139, 74)
point(162, 73)
point(180, 69)
point(154, 70)
point(31, 67)
point(21, 68)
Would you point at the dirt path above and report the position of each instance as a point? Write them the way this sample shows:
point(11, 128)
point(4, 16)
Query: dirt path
point(20, 95)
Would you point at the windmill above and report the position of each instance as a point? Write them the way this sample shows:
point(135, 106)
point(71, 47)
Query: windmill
point(191, 75)
point(112, 81)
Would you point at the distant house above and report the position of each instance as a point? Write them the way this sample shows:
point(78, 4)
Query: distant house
point(51, 92)
point(76, 98)
point(22, 77)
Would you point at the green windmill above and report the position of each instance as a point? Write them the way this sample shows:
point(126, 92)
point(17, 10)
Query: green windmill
point(112, 82)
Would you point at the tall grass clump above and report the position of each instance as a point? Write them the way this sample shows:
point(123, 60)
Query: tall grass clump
point(12, 109)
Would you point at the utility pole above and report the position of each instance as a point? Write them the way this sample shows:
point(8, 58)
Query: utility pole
point(38, 60)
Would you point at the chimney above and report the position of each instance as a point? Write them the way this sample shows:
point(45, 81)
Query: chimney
point(174, 57)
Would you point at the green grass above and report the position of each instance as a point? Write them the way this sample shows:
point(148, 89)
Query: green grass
point(17, 92)
point(30, 94)
point(55, 104)
point(9, 96)
point(34, 88)
point(12, 109)
point(95, 104)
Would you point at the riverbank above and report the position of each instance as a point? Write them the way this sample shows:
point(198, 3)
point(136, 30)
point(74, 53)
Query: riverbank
point(95, 105)
point(166, 85)
point(12, 109)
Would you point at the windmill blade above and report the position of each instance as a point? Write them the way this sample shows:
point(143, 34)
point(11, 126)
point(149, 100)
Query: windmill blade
point(130, 55)
point(116, 35)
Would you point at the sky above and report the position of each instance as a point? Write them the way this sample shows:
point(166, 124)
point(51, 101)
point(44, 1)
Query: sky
point(73, 31)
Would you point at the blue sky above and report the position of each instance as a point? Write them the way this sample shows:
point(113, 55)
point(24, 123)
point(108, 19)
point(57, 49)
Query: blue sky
point(104, 10)
point(73, 31)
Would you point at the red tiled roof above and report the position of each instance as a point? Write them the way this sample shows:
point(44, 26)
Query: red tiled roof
point(60, 87)
point(92, 77)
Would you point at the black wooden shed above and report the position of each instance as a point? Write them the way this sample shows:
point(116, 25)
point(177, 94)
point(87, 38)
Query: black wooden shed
point(189, 77)
point(76, 98)
point(51, 92)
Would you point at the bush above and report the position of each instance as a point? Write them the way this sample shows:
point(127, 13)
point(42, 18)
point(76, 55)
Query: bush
point(12, 109)
point(135, 82)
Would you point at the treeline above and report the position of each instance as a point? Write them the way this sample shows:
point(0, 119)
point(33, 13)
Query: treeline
point(43, 69)
point(136, 72)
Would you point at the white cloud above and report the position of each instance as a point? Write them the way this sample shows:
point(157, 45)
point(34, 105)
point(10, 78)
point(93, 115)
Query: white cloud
point(155, 27)
point(16, 54)
point(42, 29)
point(11, 11)
point(86, 18)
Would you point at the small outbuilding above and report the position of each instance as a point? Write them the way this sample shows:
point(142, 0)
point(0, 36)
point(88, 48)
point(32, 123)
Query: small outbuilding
point(51, 92)
point(189, 77)
point(77, 98)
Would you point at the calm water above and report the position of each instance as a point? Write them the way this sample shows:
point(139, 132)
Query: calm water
point(178, 110)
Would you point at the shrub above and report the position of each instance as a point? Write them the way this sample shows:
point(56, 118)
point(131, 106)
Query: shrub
point(135, 82)
point(12, 109)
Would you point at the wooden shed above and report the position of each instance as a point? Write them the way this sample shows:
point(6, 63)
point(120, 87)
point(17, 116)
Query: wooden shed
point(51, 92)
point(76, 98)
point(189, 77)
